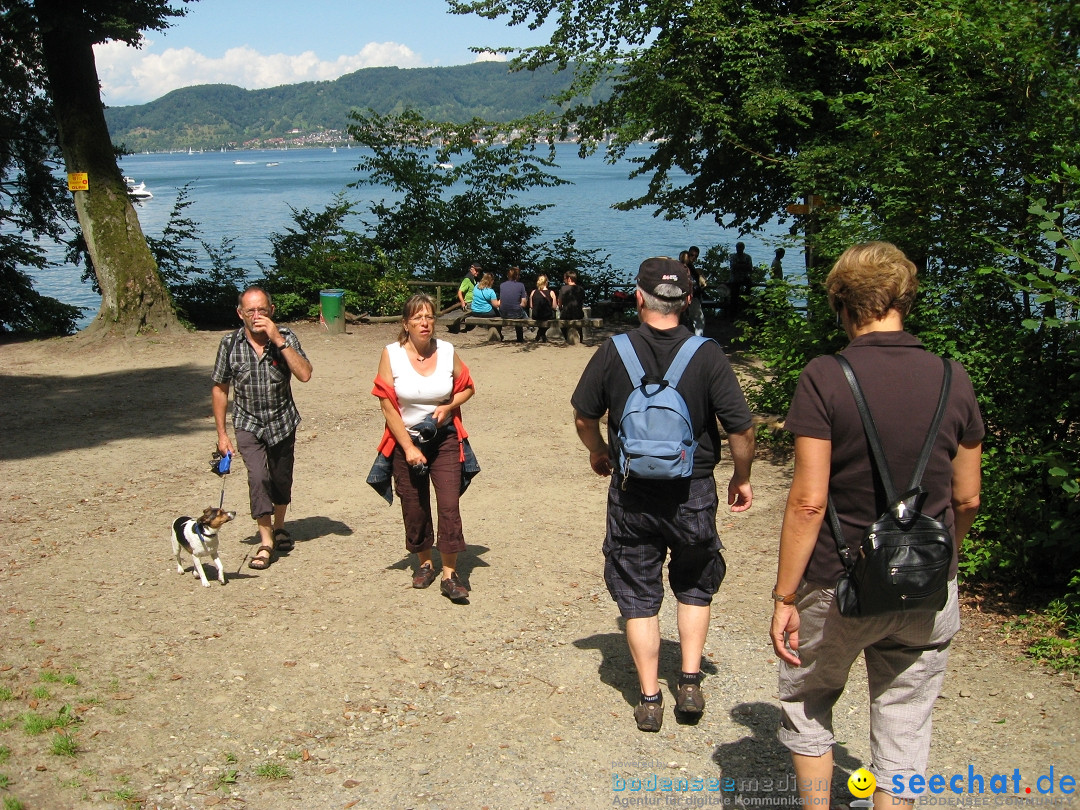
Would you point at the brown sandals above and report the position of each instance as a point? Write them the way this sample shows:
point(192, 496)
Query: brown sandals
point(262, 563)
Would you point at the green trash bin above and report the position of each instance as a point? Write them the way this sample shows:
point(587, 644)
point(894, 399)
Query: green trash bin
point(332, 310)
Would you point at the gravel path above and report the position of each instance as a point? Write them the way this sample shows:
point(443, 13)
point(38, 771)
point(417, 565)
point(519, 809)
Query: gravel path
point(326, 681)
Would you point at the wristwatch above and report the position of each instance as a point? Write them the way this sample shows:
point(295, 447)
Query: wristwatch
point(787, 600)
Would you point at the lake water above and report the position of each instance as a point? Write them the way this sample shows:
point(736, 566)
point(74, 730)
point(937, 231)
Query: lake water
point(247, 195)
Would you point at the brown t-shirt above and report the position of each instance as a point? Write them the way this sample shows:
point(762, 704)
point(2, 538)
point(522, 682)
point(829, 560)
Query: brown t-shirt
point(901, 382)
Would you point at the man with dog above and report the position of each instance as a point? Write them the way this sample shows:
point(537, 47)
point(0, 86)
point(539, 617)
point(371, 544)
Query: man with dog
point(649, 517)
point(258, 361)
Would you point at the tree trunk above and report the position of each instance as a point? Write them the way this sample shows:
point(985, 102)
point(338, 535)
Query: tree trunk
point(134, 298)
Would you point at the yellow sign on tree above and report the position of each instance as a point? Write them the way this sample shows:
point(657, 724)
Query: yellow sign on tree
point(78, 181)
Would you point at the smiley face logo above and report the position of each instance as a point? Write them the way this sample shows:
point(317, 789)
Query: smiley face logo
point(861, 783)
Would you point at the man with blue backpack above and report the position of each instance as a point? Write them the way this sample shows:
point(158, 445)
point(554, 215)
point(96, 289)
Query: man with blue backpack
point(664, 390)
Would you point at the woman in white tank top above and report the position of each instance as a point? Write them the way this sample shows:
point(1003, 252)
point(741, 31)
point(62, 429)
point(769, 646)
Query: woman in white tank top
point(429, 384)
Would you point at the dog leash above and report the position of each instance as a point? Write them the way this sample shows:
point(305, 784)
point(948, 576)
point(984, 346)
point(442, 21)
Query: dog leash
point(220, 465)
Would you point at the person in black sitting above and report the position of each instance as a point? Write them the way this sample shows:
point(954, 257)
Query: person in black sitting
point(571, 300)
point(542, 305)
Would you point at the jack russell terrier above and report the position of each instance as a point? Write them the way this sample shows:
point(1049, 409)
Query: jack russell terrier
point(198, 537)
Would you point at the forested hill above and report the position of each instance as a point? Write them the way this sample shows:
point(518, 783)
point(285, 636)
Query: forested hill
point(220, 115)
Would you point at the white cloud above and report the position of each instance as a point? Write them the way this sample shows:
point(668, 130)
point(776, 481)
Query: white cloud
point(132, 76)
point(490, 56)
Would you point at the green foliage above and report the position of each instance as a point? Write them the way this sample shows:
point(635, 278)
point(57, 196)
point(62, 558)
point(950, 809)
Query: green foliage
point(445, 213)
point(454, 190)
point(34, 723)
point(904, 119)
point(124, 795)
point(789, 324)
point(321, 253)
point(1053, 635)
point(273, 770)
point(206, 297)
point(63, 745)
point(595, 274)
point(12, 803)
point(226, 779)
point(23, 310)
point(34, 209)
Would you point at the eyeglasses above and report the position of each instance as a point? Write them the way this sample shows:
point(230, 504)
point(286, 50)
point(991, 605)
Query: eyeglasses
point(422, 319)
point(251, 313)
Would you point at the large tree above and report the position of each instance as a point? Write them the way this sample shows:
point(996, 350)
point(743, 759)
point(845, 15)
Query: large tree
point(134, 297)
point(33, 207)
point(921, 118)
point(941, 125)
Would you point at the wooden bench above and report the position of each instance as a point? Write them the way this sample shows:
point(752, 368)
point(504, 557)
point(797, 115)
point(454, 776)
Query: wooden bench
point(575, 328)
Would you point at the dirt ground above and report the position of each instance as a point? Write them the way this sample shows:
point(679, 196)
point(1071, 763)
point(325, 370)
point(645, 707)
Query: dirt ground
point(326, 680)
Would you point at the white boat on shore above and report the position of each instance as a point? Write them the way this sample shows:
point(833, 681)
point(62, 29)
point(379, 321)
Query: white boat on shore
point(137, 191)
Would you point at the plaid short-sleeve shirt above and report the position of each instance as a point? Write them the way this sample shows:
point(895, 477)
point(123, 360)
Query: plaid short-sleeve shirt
point(262, 391)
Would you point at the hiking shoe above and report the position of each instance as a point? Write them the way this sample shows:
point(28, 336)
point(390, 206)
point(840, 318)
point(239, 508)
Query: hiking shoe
point(649, 716)
point(423, 577)
point(689, 699)
point(453, 589)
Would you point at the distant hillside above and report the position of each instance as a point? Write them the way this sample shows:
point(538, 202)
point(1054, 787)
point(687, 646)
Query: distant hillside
point(217, 115)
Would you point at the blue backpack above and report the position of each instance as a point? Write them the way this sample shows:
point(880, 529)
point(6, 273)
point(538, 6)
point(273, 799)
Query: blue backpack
point(655, 437)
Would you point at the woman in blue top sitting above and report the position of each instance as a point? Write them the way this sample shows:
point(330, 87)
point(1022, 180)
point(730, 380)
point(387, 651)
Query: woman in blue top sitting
point(484, 302)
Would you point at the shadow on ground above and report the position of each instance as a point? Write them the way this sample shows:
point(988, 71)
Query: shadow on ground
point(99, 408)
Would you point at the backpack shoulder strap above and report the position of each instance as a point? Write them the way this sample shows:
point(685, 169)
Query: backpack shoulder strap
point(872, 438)
point(629, 358)
point(935, 426)
point(682, 359)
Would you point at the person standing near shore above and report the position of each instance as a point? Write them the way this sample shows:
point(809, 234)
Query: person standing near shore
point(742, 271)
point(697, 278)
point(648, 518)
point(259, 361)
point(777, 266)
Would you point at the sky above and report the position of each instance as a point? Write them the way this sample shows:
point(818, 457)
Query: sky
point(265, 43)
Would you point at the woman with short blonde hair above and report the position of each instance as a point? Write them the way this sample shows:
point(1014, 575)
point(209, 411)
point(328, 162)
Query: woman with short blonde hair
point(872, 288)
point(870, 279)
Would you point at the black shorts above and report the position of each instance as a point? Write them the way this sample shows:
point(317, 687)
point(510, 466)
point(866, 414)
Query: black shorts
point(639, 537)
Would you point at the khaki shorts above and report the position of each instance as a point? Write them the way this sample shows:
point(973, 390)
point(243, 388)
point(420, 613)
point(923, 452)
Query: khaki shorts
point(905, 654)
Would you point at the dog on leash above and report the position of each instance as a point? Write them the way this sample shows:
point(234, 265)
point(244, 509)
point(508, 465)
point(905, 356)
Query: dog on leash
point(198, 537)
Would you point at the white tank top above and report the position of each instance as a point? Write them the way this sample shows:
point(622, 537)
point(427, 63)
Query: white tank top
point(418, 395)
